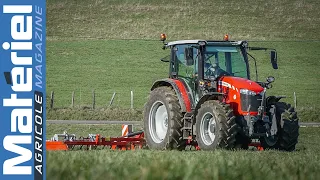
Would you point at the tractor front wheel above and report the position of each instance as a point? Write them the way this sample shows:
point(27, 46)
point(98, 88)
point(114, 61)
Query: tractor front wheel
point(215, 126)
point(288, 128)
point(163, 120)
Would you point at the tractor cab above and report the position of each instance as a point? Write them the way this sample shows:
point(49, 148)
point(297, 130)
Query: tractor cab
point(213, 59)
point(195, 61)
point(202, 62)
point(209, 99)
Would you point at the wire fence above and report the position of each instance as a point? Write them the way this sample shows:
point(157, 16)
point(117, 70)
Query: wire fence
point(129, 99)
point(94, 99)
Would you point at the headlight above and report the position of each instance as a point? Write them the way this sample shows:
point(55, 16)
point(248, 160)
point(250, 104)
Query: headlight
point(202, 43)
point(247, 92)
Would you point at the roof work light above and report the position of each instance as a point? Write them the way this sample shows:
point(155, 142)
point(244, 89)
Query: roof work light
point(226, 37)
point(163, 37)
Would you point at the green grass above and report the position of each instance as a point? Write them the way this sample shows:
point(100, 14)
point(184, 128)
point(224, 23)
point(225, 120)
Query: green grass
point(119, 66)
point(96, 114)
point(88, 49)
point(146, 164)
point(106, 66)
point(146, 19)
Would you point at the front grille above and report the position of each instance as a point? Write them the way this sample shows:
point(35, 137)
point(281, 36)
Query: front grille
point(254, 101)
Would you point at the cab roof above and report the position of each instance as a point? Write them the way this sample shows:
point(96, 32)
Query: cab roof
point(210, 42)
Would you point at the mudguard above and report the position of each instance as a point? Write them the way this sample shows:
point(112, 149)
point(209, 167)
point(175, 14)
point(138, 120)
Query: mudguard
point(209, 96)
point(180, 89)
point(273, 99)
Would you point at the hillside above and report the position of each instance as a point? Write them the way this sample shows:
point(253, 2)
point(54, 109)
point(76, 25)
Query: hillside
point(145, 19)
point(88, 49)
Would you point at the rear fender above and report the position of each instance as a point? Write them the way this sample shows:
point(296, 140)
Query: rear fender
point(209, 96)
point(180, 89)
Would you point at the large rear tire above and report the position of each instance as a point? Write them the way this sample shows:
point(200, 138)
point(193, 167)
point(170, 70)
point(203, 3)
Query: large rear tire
point(215, 126)
point(288, 128)
point(163, 120)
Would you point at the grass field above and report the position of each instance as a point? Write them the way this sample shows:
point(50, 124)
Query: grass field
point(119, 66)
point(88, 48)
point(185, 19)
point(112, 46)
point(146, 164)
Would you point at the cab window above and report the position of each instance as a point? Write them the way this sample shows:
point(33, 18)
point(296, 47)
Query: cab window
point(184, 70)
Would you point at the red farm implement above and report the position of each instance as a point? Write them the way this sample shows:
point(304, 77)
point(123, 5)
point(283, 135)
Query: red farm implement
point(65, 141)
point(128, 141)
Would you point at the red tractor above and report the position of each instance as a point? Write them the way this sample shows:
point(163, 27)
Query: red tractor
point(210, 99)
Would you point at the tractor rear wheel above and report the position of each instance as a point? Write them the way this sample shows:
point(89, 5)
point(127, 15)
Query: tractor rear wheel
point(163, 120)
point(215, 126)
point(288, 128)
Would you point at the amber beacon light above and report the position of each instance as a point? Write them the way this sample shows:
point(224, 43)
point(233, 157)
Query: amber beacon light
point(226, 37)
point(163, 37)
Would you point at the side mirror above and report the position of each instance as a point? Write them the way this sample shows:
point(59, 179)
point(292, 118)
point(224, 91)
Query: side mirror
point(188, 56)
point(270, 79)
point(273, 56)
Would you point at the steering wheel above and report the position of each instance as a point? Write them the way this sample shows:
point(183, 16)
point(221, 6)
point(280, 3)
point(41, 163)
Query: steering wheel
point(217, 71)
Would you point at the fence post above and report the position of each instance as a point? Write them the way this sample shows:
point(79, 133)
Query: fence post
point(93, 99)
point(51, 99)
point(131, 99)
point(295, 100)
point(112, 98)
point(72, 99)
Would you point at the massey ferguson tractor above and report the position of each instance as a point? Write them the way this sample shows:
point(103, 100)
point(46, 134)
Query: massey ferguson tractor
point(210, 99)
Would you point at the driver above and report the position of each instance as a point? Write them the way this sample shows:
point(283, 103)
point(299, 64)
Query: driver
point(214, 70)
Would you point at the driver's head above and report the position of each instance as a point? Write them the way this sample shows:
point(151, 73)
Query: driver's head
point(215, 65)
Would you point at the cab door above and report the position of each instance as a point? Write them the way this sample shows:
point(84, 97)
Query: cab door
point(186, 72)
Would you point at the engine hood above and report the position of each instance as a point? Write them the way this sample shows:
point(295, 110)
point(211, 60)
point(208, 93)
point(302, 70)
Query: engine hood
point(240, 83)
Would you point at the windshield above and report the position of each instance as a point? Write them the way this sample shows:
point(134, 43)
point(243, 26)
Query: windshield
point(224, 61)
point(218, 61)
